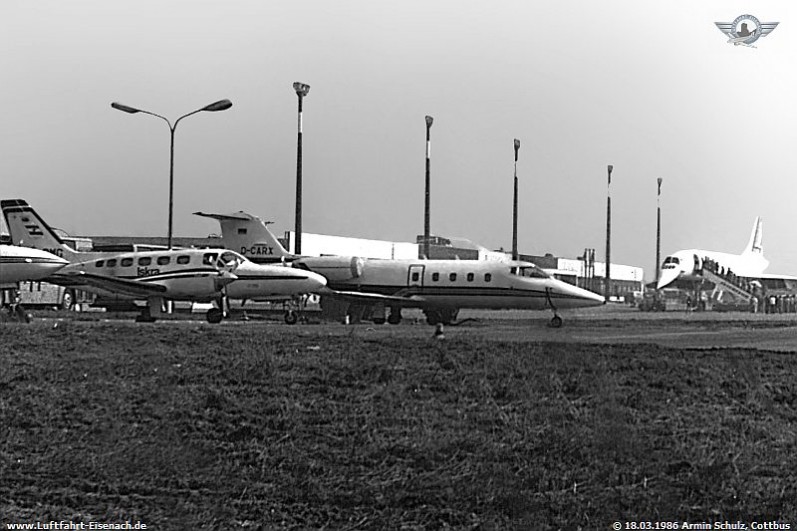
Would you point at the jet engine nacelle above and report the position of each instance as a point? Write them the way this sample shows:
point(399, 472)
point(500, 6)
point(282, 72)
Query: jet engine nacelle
point(334, 268)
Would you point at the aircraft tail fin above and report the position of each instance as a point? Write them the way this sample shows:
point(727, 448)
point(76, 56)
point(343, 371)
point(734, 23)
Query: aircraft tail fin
point(755, 246)
point(28, 228)
point(249, 235)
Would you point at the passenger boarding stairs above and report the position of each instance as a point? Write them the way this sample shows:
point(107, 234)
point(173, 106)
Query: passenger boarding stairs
point(723, 285)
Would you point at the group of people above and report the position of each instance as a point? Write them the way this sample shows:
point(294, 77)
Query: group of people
point(760, 300)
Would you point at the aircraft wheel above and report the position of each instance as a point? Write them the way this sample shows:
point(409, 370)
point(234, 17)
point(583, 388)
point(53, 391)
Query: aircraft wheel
point(291, 317)
point(432, 317)
point(21, 315)
point(556, 322)
point(215, 315)
point(394, 318)
point(379, 320)
point(144, 318)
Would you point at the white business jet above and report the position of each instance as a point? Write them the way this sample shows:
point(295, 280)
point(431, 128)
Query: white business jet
point(439, 287)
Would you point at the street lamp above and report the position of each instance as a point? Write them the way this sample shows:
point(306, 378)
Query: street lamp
point(301, 91)
point(221, 105)
point(608, 286)
point(514, 209)
point(658, 229)
point(427, 205)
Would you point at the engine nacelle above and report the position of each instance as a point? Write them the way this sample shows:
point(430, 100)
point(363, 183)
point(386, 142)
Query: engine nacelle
point(334, 268)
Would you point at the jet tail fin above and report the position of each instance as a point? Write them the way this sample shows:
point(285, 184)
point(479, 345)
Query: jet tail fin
point(755, 246)
point(249, 235)
point(29, 229)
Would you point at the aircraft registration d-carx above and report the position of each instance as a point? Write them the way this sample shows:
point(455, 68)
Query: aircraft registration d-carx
point(439, 287)
point(199, 275)
point(687, 267)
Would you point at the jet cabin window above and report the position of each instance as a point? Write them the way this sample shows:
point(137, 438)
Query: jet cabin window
point(452, 277)
point(111, 263)
point(163, 260)
point(470, 277)
point(99, 263)
point(183, 259)
point(127, 262)
point(415, 276)
point(488, 277)
point(435, 277)
point(209, 258)
point(144, 261)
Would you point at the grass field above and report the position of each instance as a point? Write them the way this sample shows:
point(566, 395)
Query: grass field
point(261, 426)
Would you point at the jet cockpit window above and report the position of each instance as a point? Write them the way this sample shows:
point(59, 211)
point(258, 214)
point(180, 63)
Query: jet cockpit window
point(671, 260)
point(531, 271)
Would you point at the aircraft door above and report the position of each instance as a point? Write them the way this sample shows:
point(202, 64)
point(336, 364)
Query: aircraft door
point(415, 275)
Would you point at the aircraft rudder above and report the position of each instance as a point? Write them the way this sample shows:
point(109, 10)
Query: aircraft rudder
point(755, 244)
point(27, 228)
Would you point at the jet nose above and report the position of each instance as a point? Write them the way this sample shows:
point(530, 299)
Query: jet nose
point(667, 277)
point(575, 297)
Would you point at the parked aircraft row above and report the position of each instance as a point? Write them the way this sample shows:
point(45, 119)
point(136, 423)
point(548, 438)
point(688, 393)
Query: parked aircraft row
point(439, 287)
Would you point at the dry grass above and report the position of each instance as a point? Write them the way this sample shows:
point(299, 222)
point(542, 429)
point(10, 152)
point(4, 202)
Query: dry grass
point(263, 426)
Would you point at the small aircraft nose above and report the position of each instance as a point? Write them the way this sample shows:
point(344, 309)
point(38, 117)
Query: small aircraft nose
point(224, 278)
point(314, 282)
point(667, 277)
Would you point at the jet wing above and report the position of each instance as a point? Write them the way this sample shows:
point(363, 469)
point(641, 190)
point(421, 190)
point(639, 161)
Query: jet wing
point(409, 301)
point(132, 288)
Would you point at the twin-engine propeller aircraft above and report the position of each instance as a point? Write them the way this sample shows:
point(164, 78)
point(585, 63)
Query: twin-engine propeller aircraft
point(439, 287)
point(18, 264)
point(199, 275)
point(686, 266)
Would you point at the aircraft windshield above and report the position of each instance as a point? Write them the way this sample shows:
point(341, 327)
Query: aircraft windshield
point(229, 259)
point(529, 271)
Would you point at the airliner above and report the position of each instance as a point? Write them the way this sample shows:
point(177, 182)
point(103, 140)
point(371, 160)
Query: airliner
point(18, 264)
point(200, 275)
point(687, 264)
point(438, 287)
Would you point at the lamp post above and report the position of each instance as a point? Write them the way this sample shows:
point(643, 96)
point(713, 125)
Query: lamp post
point(658, 229)
point(427, 206)
point(221, 105)
point(608, 286)
point(514, 207)
point(301, 91)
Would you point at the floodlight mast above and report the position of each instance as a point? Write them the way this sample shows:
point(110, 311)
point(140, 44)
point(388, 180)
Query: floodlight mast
point(427, 203)
point(221, 105)
point(514, 207)
point(302, 90)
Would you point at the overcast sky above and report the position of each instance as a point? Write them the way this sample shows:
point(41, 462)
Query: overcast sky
point(650, 87)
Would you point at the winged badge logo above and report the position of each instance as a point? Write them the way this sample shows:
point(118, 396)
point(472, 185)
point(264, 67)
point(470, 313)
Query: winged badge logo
point(745, 30)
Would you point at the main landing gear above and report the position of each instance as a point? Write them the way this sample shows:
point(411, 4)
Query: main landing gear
point(444, 316)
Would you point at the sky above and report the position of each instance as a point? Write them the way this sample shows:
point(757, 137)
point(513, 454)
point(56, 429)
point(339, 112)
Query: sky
point(651, 87)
